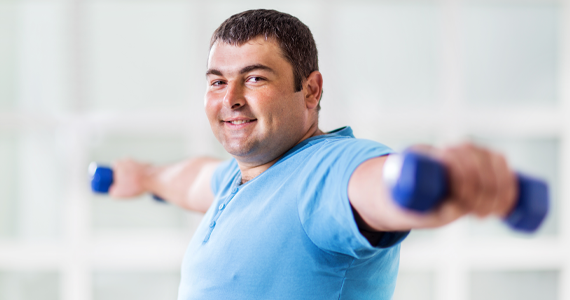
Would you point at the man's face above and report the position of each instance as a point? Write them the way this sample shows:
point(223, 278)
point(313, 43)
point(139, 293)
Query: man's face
point(250, 101)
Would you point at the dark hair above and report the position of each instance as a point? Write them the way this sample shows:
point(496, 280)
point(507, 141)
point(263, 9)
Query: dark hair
point(294, 38)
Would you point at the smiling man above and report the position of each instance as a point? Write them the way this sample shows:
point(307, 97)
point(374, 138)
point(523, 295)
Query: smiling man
point(255, 107)
point(297, 213)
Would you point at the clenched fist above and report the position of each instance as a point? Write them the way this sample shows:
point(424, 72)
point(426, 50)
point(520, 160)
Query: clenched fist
point(480, 183)
point(129, 178)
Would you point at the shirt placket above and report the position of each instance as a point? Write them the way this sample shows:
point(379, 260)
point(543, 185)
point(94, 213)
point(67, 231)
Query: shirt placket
point(223, 204)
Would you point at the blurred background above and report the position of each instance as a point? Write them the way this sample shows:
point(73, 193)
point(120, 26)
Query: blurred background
point(98, 80)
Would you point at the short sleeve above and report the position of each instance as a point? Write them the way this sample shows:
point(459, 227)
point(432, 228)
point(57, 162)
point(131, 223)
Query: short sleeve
point(379, 239)
point(326, 215)
point(221, 174)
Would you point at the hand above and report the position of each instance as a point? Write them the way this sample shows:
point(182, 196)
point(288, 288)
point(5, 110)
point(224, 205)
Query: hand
point(480, 183)
point(128, 178)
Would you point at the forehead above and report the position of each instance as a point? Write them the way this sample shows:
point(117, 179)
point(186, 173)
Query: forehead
point(226, 57)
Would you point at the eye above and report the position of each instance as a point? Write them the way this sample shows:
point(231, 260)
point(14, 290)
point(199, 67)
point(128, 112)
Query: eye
point(255, 79)
point(217, 83)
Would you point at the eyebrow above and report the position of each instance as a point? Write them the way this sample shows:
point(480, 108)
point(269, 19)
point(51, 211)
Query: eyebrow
point(256, 67)
point(213, 72)
point(243, 70)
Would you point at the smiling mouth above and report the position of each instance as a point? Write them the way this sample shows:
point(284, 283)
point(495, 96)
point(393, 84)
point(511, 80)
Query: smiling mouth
point(238, 122)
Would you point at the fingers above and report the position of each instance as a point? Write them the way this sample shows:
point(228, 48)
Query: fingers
point(480, 180)
point(464, 182)
point(507, 182)
point(492, 173)
point(486, 197)
point(128, 179)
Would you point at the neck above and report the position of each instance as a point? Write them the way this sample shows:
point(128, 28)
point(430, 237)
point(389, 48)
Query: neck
point(250, 172)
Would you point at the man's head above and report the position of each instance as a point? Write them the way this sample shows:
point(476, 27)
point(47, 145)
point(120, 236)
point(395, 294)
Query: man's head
point(293, 37)
point(257, 107)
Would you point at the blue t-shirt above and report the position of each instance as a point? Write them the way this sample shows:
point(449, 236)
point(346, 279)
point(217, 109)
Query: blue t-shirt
point(289, 233)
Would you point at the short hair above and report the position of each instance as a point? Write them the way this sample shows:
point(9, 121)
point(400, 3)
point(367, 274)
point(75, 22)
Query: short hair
point(294, 38)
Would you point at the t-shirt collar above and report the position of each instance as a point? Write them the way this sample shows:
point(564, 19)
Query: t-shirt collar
point(345, 131)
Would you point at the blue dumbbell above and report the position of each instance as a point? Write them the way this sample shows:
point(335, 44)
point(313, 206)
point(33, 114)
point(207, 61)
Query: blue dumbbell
point(418, 182)
point(102, 178)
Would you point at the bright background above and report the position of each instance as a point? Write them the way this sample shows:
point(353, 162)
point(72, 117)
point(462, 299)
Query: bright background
point(97, 80)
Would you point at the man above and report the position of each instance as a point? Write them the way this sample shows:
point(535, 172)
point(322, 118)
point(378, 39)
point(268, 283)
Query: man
point(297, 213)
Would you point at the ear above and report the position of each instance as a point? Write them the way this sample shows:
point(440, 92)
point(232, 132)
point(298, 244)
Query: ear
point(313, 88)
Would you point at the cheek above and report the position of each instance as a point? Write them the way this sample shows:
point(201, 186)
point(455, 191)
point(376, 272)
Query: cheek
point(211, 107)
point(291, 106)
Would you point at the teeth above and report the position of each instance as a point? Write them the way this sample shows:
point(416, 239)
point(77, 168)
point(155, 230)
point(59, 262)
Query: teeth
point(240, 122)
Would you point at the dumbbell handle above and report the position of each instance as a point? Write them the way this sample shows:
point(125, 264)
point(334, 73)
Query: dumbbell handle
point(419, 183)
point(102, 178)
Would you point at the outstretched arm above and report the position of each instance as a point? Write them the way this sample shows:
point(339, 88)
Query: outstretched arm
point(186, 184)
point(481, 183)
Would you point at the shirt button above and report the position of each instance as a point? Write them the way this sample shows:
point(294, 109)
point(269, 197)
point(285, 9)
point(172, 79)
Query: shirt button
point(222, 206)
point(235, 190)
point(212, 224)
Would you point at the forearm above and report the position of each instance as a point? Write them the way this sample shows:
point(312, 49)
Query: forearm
point(480, 183)
point(186, 183)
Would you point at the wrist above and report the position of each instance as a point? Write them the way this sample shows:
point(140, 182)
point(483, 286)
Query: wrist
point(149, 177)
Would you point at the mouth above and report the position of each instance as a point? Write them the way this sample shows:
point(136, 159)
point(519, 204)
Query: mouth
point(238, 123)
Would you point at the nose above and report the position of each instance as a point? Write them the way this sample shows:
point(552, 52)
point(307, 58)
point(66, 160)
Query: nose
point(234, 97)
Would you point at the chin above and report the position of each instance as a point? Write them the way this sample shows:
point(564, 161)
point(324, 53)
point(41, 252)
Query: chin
point(250, 155)
point(238, 149)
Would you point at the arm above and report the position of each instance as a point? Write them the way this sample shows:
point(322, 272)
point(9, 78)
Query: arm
point(186, 184)
point(481, 183)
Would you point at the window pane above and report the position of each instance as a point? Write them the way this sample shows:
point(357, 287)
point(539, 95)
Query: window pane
point(135, 285)
point(33, 56)
point(8, 181)
point(387, 53)
point(511, 53)
point(31, 187)
point(42, 56)
point(400, 142)
point(29, 286)
point(414, 286)
point(139, 55)
point(514, 285)
point(8, 54)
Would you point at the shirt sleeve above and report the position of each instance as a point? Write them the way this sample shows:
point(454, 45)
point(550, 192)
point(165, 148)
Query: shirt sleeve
point(327, 215)
point(379, 239)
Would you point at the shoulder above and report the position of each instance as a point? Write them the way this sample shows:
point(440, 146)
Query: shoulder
point(352, 148)
point(354, 143)
point(332, 160)
point(337, 150)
